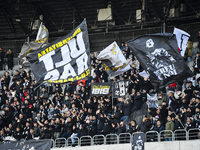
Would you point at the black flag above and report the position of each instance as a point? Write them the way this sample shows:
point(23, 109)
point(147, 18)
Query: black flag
point(159, 56)
point(44, 144)
point(65, 59)
point(138, 141)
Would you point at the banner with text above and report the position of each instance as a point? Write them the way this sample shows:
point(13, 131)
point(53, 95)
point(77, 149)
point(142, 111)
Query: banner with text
point(26, 145)
point(65, 59)
point(100, 89)
point(159, 56)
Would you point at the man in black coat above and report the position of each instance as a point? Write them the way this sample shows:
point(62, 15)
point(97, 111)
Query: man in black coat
point(68, 128)
point(44, 95)
point(145, 125)
point(17, 134)
point(121, 128)
point(137, 103)
point(126, 109)
point(82, 131)
point(30, 134)
point(46, 133)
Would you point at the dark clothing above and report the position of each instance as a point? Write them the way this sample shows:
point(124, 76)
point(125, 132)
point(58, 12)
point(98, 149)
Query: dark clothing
point(159, 129)
point(69, 128)
point(69, 89)
point(121, 129)
point(10, 60)
point(30, 136)
point(2, 55)
point(44, 95)
point(17, 135)
point(132, 129)
point(144, 126)
point(36, 132)
point(126, 109)
point(46, 134)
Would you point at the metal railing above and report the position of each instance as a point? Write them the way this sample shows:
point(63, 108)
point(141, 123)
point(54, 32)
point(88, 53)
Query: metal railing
point(112, 139)
point(151, 136)
point(86, 141)
point(99, 140)
point(193, 133)
point(125, 138)
point(60, 142)
point(180, 134)
point(168, 135)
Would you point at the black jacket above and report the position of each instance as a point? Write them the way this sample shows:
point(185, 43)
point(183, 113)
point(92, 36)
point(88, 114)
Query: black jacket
point(17, 135)
point(132, 129)
point(46, 134)
point(127, 109)
point(121, 129)
point(36, 132)
point(69, 128)
point(144, 126)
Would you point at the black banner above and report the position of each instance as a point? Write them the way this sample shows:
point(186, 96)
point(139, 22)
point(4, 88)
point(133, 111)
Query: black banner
point(120, 88)
point(65, 59)
point(138, 141)
point(100, 89)
point(26, 145)
point(159, 56)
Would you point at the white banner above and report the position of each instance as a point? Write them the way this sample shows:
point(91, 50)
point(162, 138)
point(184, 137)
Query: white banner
point(114, 61)
point(182, 39)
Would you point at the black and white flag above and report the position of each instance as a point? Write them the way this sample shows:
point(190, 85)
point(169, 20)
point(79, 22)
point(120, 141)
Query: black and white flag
point(138, 141)
point(159, 56)
point(113, 60)
point(65, 59)
point(120, 88)
point(26, 145)
point(100, 89)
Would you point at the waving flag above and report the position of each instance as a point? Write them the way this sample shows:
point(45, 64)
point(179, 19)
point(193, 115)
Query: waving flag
point(158, 55)
point(113, 60)
point(182, 39)
point(66, 59)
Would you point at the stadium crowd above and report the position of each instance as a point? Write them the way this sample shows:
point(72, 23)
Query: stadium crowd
point(52, 111)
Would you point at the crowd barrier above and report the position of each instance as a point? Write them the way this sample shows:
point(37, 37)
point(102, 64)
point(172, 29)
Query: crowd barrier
point(124, 138)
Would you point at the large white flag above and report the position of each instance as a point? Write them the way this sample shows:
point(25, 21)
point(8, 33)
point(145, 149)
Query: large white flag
point(182, 39)
point(113, 60)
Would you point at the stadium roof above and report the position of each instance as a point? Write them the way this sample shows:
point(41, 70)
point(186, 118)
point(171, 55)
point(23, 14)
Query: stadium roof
point(61, 16)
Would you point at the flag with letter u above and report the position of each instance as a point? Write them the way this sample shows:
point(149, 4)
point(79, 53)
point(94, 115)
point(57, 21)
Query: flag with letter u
point(158, 55)
point(65, 59)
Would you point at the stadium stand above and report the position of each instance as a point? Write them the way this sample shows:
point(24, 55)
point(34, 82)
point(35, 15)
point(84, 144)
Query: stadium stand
point(69, 116)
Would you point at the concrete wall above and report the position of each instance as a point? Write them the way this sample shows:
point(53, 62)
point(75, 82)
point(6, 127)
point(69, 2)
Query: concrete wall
point(98, 147)
point(173, 145)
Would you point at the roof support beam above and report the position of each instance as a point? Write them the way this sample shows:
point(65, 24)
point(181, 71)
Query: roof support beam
point(17, 17)
point(159, 13)
point(9, 20)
